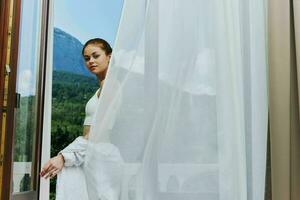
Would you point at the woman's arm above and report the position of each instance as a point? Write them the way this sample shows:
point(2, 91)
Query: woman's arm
point(53, 166)
point(72, 155)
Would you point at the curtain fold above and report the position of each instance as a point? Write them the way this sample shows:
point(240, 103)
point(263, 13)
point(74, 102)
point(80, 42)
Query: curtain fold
point(284, 98)
point(296, 19)
point(183, 112)
point(295, 103)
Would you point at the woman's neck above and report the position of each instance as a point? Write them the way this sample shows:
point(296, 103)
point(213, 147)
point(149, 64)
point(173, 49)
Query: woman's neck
point(101, 78)
point(101, 82)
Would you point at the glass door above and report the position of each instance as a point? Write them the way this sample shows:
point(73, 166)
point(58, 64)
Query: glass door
point(29, 94)
point(23, 43)
point(26, 116)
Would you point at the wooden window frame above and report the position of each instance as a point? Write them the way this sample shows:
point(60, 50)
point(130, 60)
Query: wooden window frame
point(6, 182)
point(7, 136)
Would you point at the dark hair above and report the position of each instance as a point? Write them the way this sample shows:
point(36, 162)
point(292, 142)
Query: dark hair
point(105, 46)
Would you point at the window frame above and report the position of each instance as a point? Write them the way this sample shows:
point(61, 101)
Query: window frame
point(8, 134)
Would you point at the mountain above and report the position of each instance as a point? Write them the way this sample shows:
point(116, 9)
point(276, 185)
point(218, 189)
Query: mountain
point(67, 54)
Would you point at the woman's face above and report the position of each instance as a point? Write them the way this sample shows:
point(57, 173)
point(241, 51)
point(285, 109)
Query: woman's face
point(96, 59)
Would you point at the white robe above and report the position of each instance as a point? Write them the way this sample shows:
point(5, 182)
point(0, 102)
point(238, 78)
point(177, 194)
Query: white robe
point(71, 184)
point(97, 176)
point(101, 178)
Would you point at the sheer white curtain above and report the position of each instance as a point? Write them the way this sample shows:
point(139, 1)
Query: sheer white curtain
point(183, 112)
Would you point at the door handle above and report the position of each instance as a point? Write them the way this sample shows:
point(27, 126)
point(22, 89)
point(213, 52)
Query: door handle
point(18, 100)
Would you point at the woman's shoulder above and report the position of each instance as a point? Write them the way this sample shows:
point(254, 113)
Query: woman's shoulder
point(114, 85)
point(98, 92)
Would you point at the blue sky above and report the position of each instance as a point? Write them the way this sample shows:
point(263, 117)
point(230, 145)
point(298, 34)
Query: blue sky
point(86, 19)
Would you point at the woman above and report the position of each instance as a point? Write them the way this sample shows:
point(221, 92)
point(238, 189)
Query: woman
point(68, 163)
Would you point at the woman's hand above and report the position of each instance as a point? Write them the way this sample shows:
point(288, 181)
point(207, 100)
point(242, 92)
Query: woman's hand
point(53, 166)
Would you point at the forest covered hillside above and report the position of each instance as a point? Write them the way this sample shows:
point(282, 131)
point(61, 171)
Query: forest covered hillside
point(70, 93)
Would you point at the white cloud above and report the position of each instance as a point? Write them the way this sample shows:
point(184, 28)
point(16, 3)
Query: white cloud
point(26, 83)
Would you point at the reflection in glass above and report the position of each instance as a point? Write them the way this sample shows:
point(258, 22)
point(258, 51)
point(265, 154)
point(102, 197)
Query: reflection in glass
point(26, 113)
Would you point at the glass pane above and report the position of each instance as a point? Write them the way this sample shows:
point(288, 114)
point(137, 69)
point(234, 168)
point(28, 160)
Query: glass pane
point(27, 81)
